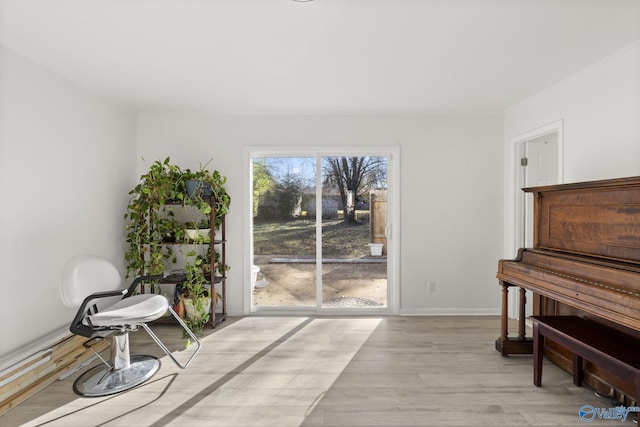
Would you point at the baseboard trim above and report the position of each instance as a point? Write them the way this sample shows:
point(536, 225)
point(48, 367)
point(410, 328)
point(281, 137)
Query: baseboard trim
point(450, 312)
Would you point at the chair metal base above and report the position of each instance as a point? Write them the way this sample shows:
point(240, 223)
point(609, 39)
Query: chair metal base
point(103, 381)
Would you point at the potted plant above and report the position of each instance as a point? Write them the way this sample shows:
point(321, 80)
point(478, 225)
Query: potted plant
point(198, 231)
point(208, 189)
point(197, 184)
point(197, 294)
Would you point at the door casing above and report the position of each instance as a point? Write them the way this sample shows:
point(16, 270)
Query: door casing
point(520, 177)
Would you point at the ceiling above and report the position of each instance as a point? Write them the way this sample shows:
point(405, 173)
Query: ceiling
point(324, 56)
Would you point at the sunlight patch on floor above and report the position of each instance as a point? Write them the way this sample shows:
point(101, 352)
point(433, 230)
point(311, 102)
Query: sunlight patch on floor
point(270, 369)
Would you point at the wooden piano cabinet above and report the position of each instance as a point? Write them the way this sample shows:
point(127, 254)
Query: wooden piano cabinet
point(585, 262)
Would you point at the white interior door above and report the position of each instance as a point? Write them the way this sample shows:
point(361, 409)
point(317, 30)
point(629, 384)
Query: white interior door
point(541, 168)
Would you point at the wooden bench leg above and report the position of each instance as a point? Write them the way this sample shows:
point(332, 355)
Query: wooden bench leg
point(538, 351)
point(578, 372)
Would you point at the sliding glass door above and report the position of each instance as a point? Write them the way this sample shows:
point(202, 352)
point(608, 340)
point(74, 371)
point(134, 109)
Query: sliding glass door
point(354, 262)
point(320, 232)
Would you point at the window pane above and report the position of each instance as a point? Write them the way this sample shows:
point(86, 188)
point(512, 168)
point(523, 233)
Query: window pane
point(284, 232)
point(354, 274)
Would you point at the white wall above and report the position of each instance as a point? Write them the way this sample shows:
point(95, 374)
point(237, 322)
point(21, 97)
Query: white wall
point(67, 162)
point(451, 190)
point(600, 111)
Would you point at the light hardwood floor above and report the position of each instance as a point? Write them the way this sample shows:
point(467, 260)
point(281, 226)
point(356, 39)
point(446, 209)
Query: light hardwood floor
point(329, 371)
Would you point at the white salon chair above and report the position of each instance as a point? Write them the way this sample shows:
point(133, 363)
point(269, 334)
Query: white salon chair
point(93, 286)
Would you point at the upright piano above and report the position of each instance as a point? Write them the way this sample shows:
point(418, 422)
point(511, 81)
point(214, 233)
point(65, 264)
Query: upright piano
point(585, 261)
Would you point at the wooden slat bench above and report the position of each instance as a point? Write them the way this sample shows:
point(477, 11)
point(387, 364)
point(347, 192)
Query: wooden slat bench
point(608, 348)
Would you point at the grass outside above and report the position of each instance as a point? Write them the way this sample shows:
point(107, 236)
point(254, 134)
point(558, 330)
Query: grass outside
point(297, 238)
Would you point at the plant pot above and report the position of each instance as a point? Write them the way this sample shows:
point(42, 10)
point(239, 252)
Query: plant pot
point(190, 311)
point(197, 233)
point(195, 187)
point(254, 275)
point(376, 249)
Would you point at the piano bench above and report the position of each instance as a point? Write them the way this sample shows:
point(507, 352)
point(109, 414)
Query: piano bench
point(601, 345)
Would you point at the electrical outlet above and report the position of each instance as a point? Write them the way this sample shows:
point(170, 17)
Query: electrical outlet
point(431, 286)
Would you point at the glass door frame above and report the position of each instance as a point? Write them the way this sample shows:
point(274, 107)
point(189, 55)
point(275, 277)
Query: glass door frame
point(393, 226)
